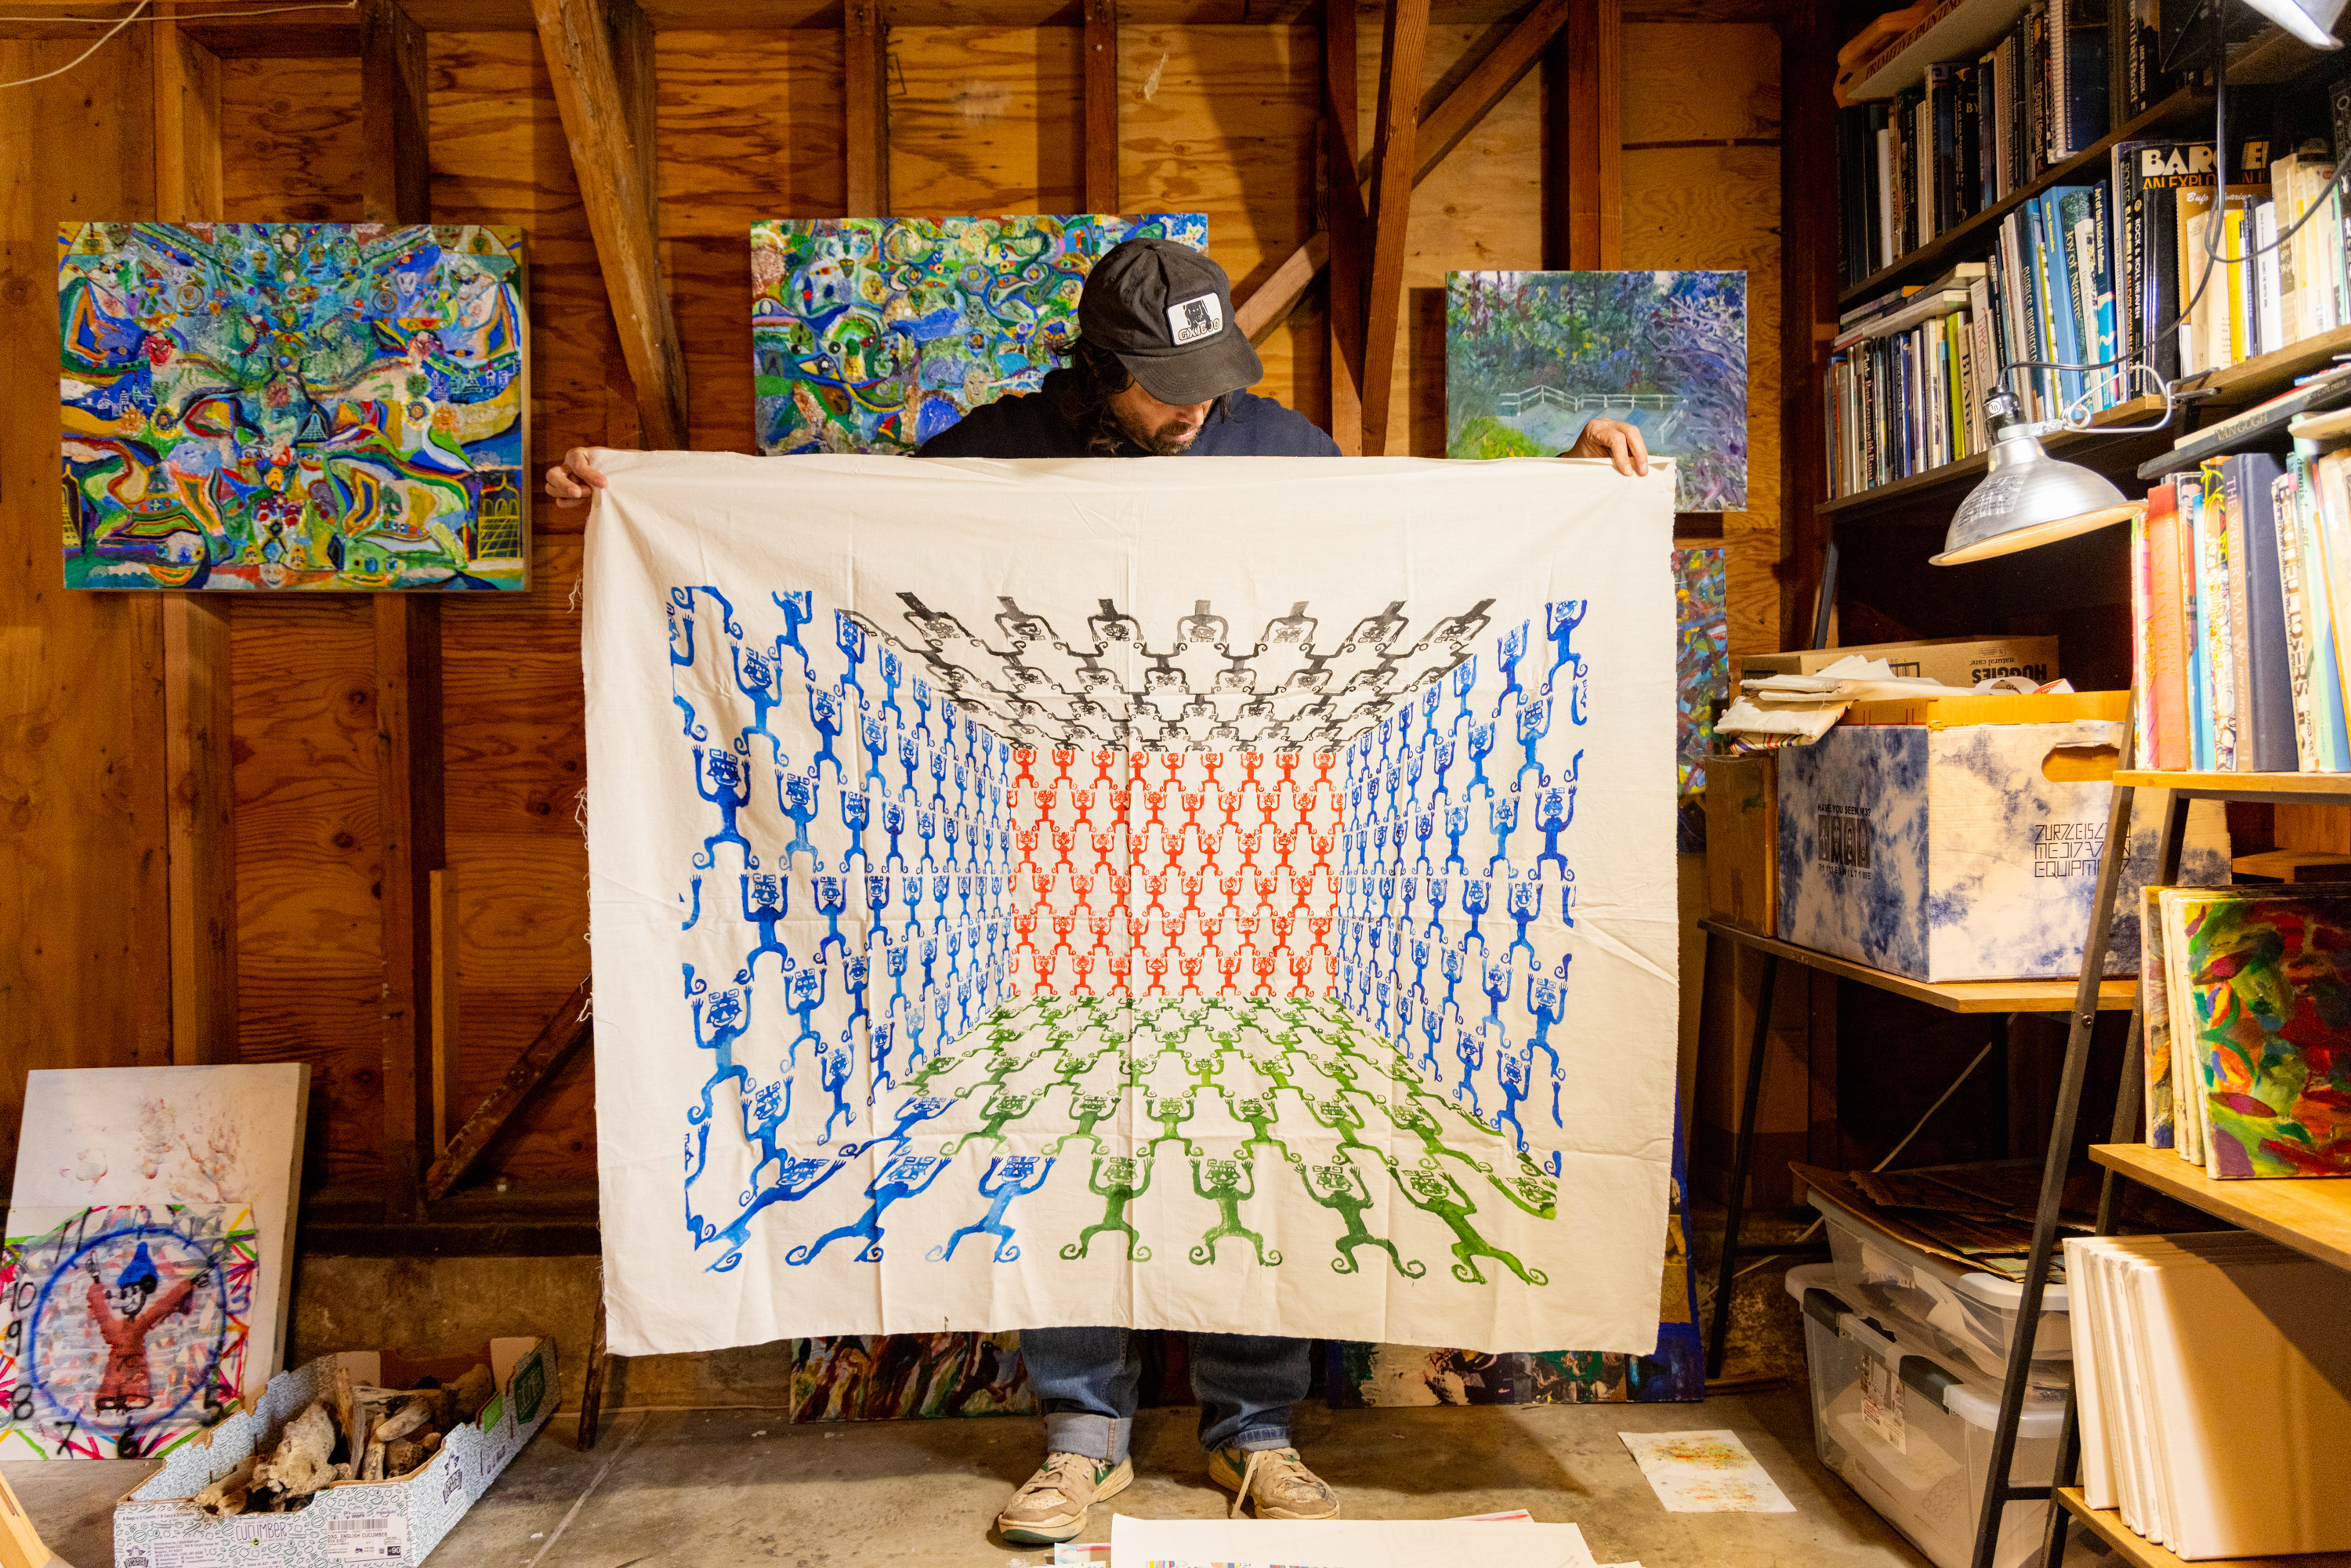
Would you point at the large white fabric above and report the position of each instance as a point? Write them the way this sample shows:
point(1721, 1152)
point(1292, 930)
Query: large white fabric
point(1206, 893)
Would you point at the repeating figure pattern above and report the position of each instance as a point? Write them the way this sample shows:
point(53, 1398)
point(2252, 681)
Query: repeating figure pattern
point(882, 875)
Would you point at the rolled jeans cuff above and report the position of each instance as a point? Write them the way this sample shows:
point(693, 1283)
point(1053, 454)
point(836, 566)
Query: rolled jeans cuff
point(1101, 1439)
point(1261, 1435)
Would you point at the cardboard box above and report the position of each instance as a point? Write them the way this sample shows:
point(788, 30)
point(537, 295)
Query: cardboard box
point(1959, 838)
point(1742, 840)
point(1954, 661)
point(394, 1522)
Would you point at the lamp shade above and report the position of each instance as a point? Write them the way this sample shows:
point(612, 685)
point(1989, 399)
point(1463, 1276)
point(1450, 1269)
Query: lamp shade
point(2029, 499)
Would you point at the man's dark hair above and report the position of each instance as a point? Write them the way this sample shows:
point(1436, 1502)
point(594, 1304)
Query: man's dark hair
point(1084, 396)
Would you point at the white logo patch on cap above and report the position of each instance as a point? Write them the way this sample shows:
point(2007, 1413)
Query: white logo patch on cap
point(1190, 320)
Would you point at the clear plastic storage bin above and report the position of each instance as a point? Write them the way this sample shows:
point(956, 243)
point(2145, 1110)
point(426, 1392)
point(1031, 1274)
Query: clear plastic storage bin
point(1962, 1313)
point(1911, 1433)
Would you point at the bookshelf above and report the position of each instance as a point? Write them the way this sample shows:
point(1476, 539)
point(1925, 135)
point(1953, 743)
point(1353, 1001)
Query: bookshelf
point(2140, 1553)
point(2311, 1214)
point(2301, 789)
point(1951, 996)
point(1908, 491)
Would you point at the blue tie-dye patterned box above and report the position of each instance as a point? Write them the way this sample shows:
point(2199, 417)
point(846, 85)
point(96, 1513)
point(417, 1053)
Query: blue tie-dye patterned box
point(1959, 838)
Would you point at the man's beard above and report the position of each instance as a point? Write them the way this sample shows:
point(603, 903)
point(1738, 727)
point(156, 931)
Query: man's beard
point(1172, 439)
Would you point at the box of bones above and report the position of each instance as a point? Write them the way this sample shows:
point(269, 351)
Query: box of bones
point(277, 1484)
point(1959, 838)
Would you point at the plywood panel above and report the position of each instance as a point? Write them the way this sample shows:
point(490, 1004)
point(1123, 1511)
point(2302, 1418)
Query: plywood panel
point(986, 119)
point(750, 128)
point(1221, 121)
point(309, 855)
point(499, 156)
point(292, 151)
point(85, 966)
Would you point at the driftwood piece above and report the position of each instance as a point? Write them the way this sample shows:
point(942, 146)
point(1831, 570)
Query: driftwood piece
point(372, 1469)
point(403, 1455)
point(302, 1461)
point(473, 1391)
point(345, 1410)
point(227, 1495)
point(410, 1415)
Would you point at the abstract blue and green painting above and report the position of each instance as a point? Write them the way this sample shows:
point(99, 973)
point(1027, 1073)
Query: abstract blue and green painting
point(875, 334)
point(1531, 357)
point(286, 406)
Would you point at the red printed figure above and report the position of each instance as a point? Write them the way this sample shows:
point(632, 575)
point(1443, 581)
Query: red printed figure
point(126, 1313)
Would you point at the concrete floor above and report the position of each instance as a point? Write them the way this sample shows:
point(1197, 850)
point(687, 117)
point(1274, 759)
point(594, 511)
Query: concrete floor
point(684, 1489)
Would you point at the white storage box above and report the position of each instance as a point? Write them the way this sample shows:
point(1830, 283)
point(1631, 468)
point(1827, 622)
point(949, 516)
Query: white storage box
point(1966, 1316)
point(1959, 838)
point(1910, 1434)
point(394, 1522)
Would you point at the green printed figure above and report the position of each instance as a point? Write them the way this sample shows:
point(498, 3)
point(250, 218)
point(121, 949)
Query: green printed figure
point(1276, 1071)
point(1434, 1192)
point(1088, 1109)
point(1228, 1184)
point(1168, 1113)
point(1258, 1112)
point(1344, 1119)
point(1533, 1191)
point(1119, 1181)
point(1203, 1069)
point(1002, 1107)
point(1411, 1118)
point(1341, 1189)
point(1336, 1070)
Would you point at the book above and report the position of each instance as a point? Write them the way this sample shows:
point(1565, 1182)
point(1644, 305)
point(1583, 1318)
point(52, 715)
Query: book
point(2155, 1021)
point(2223, 492)
point(2216, 622)
point(2190, 489)
point(2166, 632)
point(2320, 660)
point(2266, 685)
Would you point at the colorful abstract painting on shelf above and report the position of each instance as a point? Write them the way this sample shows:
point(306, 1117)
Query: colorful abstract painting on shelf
point(1701, 661)
point(282, 407)
point(1531, 357)
point(875, 334)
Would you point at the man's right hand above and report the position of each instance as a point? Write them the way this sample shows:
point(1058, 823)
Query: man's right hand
point(570, 481)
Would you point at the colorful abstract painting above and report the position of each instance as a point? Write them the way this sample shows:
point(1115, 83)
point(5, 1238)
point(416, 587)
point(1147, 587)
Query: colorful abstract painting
point(1005, 920)
point(127, 1328)
point(1702, 660)
point(873, 1377)
point(290, 406)
point(2271, 982)
point(1531, 357)
point(875, 334)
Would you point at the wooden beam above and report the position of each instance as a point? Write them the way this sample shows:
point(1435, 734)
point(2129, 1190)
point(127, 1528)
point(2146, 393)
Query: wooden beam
point(567, 1029)
point(200, 798)
point(611, 156)
point(415, 845)
point(1808, 299)
point(1403, 48)
point(1453, 119)
point(396, 180)
point(1252, 315)
point(1343, 219)
point(1442, 127)
point(865, 104)
point(1584, 209)
point(1101, 106)
point(442, 934)
point(200, 825)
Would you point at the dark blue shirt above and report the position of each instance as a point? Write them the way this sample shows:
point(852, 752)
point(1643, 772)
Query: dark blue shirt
point(1247, 426)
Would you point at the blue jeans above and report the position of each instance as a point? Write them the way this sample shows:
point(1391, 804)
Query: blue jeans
point(1085, 1381)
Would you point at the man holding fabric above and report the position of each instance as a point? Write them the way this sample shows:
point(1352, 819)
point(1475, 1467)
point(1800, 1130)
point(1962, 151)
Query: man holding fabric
point(1159, 369)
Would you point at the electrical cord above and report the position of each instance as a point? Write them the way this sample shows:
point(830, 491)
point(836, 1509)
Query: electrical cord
point(139, 12)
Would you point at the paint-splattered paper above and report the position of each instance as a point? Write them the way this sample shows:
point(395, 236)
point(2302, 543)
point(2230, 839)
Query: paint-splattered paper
point(150, 1238)
point(875, 334)
point(1531, 357)
point(1344, 1543)
point(2270, 986)
point(286, 406)
point(1702, 660)
point(1705, 1472)
point(1242, 916)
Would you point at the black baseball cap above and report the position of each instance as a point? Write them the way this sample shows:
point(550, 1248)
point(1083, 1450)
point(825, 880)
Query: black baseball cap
point(1166, 311)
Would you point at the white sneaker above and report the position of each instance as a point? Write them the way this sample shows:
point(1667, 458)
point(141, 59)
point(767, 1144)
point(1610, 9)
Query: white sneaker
point(1052, 1504)
point(1275, 1479)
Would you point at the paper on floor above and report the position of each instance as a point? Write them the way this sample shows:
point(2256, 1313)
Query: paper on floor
point(1343, 1543)
point(1705, 1472)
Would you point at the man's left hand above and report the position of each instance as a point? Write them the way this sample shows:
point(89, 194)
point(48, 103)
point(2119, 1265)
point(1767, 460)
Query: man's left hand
point(1619, 443)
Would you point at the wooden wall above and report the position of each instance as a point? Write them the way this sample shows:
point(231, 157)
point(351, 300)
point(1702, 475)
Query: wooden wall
point(1218, 117)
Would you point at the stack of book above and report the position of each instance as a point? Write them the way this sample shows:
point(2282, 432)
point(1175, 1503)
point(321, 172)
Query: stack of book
point(2241, 583)
point(2213, 1380)
point(2247, 1019)
point(1973, 131)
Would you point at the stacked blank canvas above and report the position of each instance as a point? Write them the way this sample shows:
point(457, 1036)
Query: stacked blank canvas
point(2213, 1377)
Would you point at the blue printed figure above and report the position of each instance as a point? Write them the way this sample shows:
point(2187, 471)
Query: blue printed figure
point(855, 970)
point(834, 1067)
point(1481, 746)
point(825, 712)
point(1534, 724)
point(1471, 1048)
point(893, 670)
point(1514, 1067)
point(850, 638)
point(1465, 681)
point(1526, 908)
point(1547, 999)
point(1442, 765)
point(911, 1113)
point(805, 993)
point(1436, 897)
point(876, 737)
point(1509, 648)
point(1425, 826)
point(904, 1176)
point(723, 778)
point(767, 898)
point(796, 794)
point(1008, 1176)
point(800, 609)
point(831, 901)
point(1477, 896)
point(882, 1034)
point(760, 678)
point(1554, 814)
point(1565, 617)
point(680, 611)
point(856, 811)
point(1432, 1030)
point(796, 1177)
point(894, 822)
point(910, 758)
point(922, 708)
point(1502, 816)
